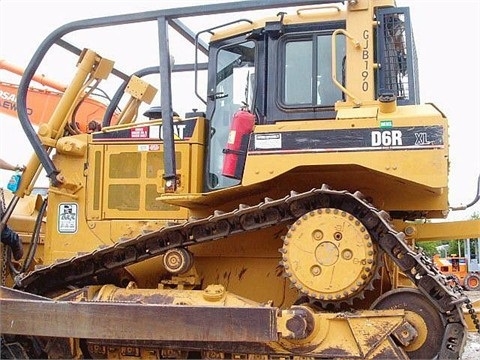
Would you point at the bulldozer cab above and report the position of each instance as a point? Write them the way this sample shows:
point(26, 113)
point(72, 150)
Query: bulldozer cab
point(243, 70)
point(289, 70)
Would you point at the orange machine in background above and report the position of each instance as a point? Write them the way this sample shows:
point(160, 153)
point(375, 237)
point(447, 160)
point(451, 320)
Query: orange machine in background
point(464, 269)
point(41, 102)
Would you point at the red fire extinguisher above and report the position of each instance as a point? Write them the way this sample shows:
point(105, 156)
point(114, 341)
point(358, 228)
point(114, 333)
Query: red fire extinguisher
point(237, 144)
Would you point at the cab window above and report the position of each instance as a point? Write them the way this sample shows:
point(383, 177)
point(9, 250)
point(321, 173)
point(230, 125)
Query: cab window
point(234, 88)
point(307, 69)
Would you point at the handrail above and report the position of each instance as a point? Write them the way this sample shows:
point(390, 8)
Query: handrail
point(355, 99)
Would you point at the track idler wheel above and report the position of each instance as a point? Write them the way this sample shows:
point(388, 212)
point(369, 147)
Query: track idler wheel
point(422, 315)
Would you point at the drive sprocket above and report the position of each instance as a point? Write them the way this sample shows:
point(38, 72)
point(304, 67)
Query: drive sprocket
point(329, 255)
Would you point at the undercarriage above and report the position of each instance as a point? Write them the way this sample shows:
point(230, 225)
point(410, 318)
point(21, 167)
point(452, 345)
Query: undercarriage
point(335, 252)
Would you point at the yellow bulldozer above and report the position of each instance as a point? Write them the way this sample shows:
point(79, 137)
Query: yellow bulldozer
point(282, 220)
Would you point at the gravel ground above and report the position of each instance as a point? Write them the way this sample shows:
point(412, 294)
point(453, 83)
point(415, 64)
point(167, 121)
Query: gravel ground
point(472, 347)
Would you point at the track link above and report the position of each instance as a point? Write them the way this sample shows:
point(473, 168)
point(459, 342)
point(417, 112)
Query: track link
point(81, 269)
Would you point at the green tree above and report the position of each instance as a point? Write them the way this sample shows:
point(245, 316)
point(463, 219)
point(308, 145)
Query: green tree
point(454, 246)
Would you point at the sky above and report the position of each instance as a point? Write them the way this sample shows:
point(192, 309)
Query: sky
point(447, 36)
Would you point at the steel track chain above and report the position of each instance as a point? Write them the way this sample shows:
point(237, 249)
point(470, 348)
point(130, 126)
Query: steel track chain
point(467, 302)
point(414, 263)
point(4, 255)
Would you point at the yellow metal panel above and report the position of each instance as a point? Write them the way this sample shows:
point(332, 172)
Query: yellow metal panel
point(103, 69)
point(361, 73)
point(302, 16)
point(445, 230)
point(197, 155)
point(94, 174)
point(396, 164)
point(68, 232)
point(196, 169)
point(357, 113)
point(133, 181)
point(141, 90)
point(408, 172)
